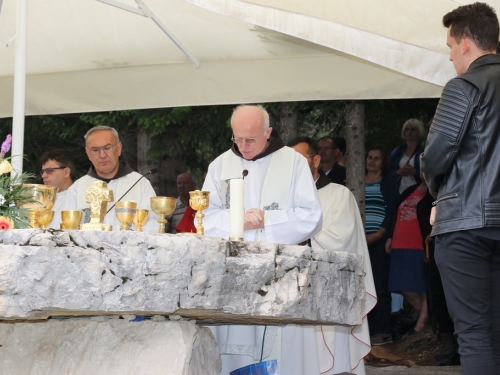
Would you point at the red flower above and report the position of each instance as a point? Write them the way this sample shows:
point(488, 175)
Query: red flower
point(6, 223)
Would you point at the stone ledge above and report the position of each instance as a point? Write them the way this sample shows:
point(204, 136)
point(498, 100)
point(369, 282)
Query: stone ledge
point(44, 273)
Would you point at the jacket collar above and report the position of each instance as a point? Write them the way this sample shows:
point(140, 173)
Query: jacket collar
point(323, 180)
point(488, 59)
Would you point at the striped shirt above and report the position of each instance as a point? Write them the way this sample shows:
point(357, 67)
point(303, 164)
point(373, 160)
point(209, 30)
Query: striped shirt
point(375, 207)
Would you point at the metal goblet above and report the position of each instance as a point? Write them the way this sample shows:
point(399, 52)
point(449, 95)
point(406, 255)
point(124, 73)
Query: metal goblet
point(43, 197)
point(125, 212)
point(163, 206)
point(70, 219)
point(45, 219)
point(141, 218)
point(199, 200)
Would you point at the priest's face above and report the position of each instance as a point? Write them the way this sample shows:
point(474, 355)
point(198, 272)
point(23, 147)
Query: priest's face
point(104, 151)
point(249, 133)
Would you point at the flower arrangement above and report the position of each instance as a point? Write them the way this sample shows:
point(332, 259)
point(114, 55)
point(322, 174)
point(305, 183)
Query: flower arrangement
point(12, 192)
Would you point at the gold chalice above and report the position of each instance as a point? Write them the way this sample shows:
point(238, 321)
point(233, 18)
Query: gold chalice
point(71, 219)
point(141, 218)
point(198, 200)
point(125, 212)
point(45, 219)
point(163, 206)
point(43, 197)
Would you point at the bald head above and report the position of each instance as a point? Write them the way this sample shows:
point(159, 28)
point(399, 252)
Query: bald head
point(185, 184)
point(251, 130)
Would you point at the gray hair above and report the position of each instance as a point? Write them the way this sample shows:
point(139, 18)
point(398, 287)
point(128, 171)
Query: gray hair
point(265, 115)
point(102, 128)
point(418, 125)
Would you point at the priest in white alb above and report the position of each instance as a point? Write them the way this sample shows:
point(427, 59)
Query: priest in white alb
point(281, 205)
point(335, 349)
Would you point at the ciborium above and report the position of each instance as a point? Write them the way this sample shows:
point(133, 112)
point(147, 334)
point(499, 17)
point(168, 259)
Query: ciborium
point(125, 212)
point(140, 218)
point(163, 206)
point(45, 219)
point(198, 200)
point(70, 219)
point(42, 199)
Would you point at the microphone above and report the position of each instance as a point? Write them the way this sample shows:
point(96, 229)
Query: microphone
point(151, 171)
point(245, 173)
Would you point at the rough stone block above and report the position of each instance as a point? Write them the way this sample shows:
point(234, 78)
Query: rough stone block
point(45, 273)
point(85, 346)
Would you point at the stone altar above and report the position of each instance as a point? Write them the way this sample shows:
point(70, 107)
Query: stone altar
point(47, 274)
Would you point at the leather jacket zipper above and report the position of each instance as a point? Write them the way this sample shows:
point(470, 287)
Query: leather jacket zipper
point(454, 195)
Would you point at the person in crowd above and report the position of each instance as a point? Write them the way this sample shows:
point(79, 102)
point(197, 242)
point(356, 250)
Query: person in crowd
point(185, 184)
point(461, 166)
point(103, 148)
point(332, 152)
point(410, 230)
point(281, 206)
point(339, 349)
point(381, 191)
point(58, 169)
point(405, 159)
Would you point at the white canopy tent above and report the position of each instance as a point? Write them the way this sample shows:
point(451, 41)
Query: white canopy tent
point(86, 55)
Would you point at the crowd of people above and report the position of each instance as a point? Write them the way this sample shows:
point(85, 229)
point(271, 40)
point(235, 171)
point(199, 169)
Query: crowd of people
point(296, 195)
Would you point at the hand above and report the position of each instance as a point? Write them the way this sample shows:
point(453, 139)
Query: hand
point(374, 237)
point(433, 215)
point(388, 245)
point(253, 219)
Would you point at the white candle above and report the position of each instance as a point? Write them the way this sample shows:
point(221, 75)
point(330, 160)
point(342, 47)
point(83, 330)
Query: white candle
point(236, 210)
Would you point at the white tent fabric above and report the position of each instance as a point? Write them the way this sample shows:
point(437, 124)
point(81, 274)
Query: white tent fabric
point(84, 55)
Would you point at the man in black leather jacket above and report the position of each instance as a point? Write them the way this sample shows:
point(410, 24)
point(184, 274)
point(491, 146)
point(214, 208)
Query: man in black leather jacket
point(461, 164)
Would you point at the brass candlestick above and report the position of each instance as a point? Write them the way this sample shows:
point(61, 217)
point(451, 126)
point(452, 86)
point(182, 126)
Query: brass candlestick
point(125, 212)
point(198, 200)
point(43, 197)
point(163, 206)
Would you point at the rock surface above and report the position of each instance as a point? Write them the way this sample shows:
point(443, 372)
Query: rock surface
point(85, 346)
point(45, 273)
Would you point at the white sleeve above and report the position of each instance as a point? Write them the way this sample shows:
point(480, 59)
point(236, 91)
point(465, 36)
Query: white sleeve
point(303, 216)
point(216, 220)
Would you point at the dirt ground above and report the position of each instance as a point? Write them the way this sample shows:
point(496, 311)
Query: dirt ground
point(419, 348)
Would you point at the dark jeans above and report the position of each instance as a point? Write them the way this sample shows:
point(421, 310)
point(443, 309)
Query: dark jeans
point(470, 270)
point(436, 294)
point(379, 319)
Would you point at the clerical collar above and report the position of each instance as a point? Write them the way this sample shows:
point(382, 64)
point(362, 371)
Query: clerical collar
point(275, 143)
point(323, 180)
point(123, 170)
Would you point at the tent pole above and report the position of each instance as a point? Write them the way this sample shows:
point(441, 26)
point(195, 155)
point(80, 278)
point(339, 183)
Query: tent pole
point(19, 90)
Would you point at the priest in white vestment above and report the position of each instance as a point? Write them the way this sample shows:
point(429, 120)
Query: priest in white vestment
point(336, 349)
point(281, 206)
point(103, 148)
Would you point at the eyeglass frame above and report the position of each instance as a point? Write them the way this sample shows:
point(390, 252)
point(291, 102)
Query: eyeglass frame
point(246, 140)
point(97, 150)
point(49, 171)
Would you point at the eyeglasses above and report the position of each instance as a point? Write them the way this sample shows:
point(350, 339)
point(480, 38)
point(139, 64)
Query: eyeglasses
point(107, 149)
point(326, 148)
point(49, 171)
point(250, 141)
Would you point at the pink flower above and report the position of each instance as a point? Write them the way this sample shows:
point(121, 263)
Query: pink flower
point(6, 144)
point(6, 223)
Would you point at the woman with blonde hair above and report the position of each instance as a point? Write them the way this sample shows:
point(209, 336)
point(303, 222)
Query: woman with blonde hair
point(405, 159)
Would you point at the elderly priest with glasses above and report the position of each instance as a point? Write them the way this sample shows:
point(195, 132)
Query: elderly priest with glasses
point(103, 148)
point(281, 206)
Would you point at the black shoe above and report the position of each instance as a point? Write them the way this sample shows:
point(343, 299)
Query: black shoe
point(449, 347)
